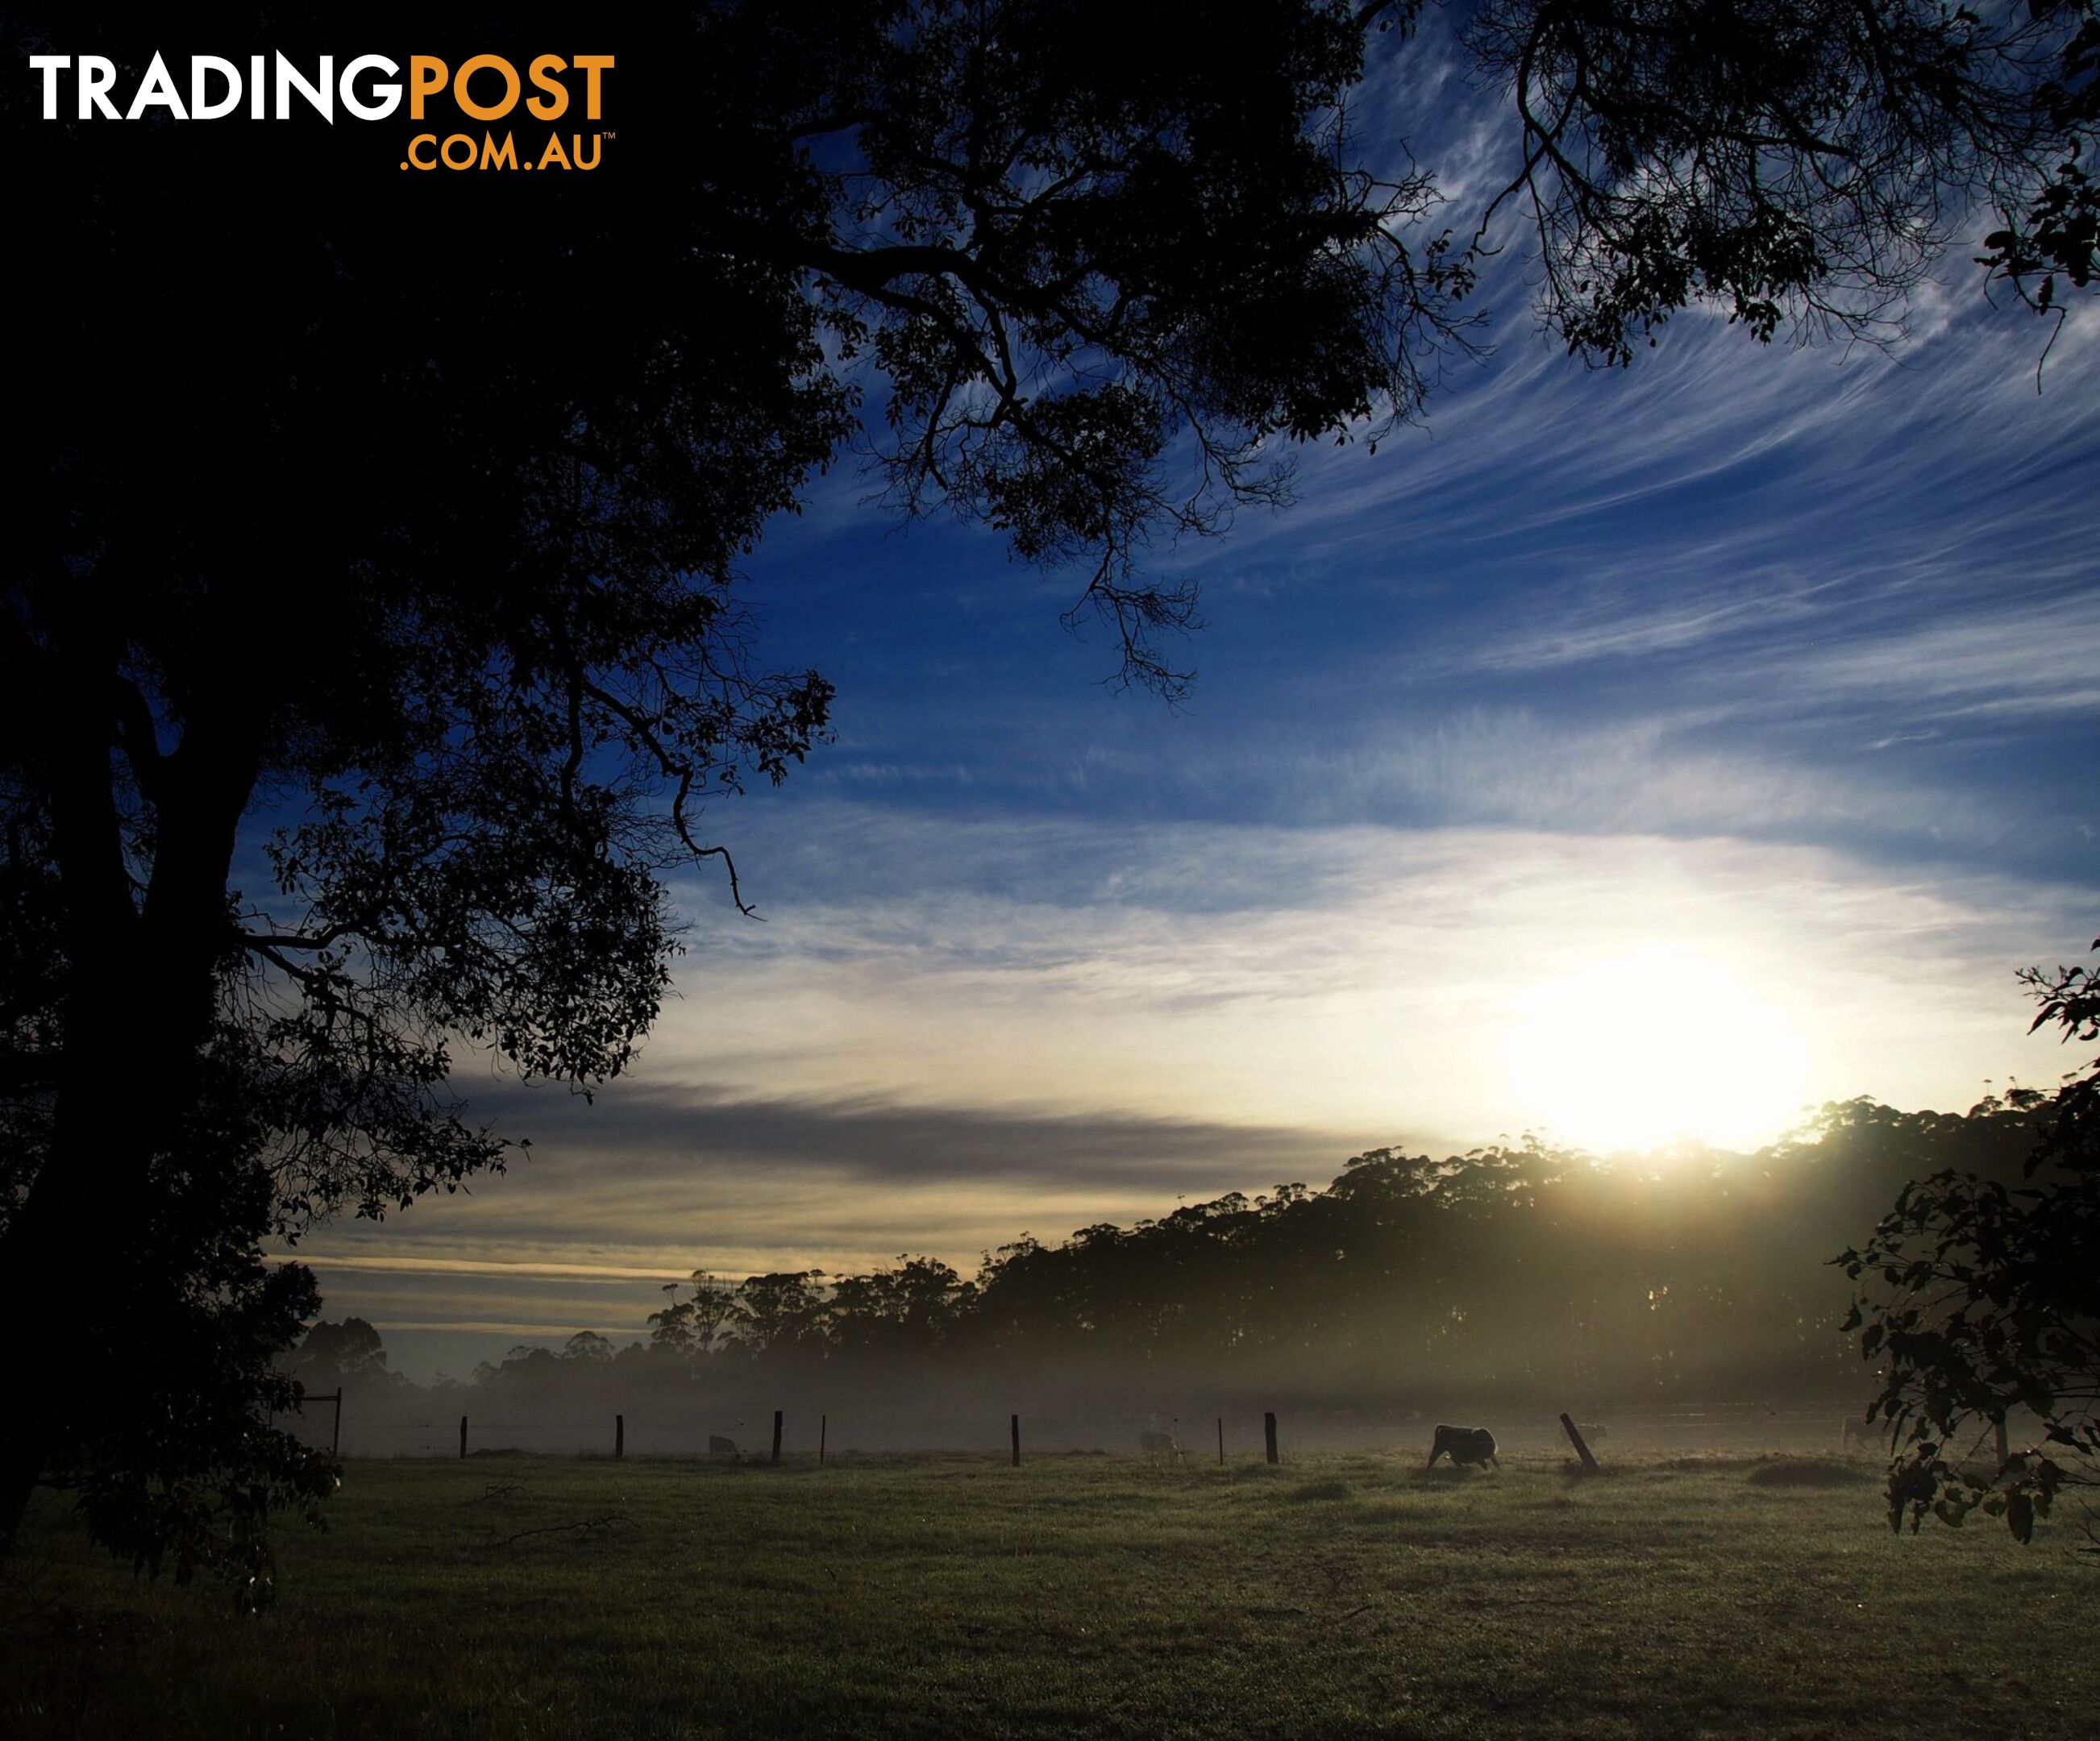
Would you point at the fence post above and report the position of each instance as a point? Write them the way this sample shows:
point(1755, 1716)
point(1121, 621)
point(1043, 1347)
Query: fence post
point(1016, 1441)
point(335, 1438)
point(1268, 1432)
point(823, 1433)
point(1998, 1434)
point(1581, 1450)
point(620, 1435)
point(462, 1435)
point(776, 1439)
point(1221, 1440)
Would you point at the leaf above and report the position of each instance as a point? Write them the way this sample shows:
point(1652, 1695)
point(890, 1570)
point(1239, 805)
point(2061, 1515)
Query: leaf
point(2020, 1516)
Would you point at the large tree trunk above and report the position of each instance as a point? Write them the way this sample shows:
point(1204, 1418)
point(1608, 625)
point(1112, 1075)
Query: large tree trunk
point(69, 1270)
point(141, 982)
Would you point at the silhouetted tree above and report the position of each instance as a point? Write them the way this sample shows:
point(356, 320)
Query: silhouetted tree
point(369, 649)
point(1981, 1299)
point(1787, 157)
point(779, 1314)
point(350, 1350)
point(1513, 1270)
point(590, 1348)
point(695, 1324)
point(906, 1312)
point(2054, 229)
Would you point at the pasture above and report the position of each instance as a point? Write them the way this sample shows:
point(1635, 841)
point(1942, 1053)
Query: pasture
point(1343, 1595)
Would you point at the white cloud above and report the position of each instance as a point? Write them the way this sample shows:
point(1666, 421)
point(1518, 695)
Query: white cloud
point(952, 1032)
point(1351, 979)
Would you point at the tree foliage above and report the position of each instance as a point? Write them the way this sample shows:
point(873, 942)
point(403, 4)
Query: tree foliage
point(2053, 230)
point(351, 1349)
point(1788, 158)
point(1514, 1270)
point(1981, 1298)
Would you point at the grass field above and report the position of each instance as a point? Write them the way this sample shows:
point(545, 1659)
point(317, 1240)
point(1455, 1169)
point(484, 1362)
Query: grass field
point(1342, 1596)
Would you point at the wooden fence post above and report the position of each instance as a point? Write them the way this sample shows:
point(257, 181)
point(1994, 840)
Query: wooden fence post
point(776, 1439)
point(1268, 1432)
point(335, 1437)
point(1221, 1439)
point(1581, 1450)
point(1998, 1434)
point(462, 1435)
point(620, 1435)
point(823, 1433)
point(1016, 1425)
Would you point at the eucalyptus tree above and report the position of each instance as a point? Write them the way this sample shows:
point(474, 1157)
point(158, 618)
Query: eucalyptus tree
point(1978, 1300)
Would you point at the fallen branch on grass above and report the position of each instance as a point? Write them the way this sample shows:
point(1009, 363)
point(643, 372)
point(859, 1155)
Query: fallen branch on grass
point(577, 1524)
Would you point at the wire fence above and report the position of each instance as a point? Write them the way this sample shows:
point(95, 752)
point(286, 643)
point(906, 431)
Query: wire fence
point(817, 1435)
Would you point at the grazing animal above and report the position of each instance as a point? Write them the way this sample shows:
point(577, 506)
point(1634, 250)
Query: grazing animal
point(718, 1446)
point(1858, 1435)
point(1159, 1444)
point(1464, 1445)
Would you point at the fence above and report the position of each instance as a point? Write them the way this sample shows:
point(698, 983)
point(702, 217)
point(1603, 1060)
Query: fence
point(817, 1436)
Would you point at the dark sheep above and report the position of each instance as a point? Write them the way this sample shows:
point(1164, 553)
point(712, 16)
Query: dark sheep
point(1464, 1445)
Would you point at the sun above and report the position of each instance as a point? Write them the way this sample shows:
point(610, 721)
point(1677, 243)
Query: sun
point(1653, 1046)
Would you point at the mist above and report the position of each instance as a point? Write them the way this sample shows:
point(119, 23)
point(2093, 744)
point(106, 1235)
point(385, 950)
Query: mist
point(1684, 1297)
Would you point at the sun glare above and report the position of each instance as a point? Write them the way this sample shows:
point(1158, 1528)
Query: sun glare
point(1655, 1045)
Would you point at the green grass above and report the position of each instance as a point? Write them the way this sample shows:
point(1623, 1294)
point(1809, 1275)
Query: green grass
point(1341, 1596)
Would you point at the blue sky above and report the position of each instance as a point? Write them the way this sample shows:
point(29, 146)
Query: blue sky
point(1626, 753)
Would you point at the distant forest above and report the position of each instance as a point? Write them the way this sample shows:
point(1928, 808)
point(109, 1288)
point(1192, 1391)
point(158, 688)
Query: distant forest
point(1513, 1273)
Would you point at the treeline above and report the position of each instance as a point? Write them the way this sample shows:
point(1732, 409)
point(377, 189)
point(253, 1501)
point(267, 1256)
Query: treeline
point(1513, 1270)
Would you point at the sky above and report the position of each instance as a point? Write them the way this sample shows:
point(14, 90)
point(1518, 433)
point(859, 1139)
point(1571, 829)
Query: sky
point(1623, 755)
